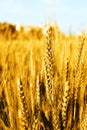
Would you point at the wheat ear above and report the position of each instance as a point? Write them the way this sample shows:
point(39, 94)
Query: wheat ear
point(49, 65)
point(37, 124)
point(65, 102)
point(77, 77)
point(23, 112)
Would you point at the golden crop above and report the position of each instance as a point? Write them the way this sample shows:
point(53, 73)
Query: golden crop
point(43, 80)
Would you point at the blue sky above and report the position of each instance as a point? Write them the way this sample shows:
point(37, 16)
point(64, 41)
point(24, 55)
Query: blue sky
point(68, 14)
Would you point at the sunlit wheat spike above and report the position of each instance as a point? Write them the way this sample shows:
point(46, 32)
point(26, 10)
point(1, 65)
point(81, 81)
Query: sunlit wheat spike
point(37, 119)
point(55, 119)
point(32, 79)
point(82, 89)
point(37, 116)
point(56, 112)
point(48, 60)
point(38, 93)
point(77, 76)
point(79, 95)
point(78, 63)
point(65, 102)
point(32, 63)
point(4, 115)
point(23, 112)
point(80, 53)
point(37, 125)
point(83, 125)
point(49, 65)
point(67, 72)
point(9, 102)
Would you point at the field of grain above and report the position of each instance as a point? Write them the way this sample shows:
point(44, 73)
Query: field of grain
point(43, 80)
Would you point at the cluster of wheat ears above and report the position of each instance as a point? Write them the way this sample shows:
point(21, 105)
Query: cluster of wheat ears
point(45, 89)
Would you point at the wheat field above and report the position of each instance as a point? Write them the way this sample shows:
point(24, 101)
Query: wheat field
point(43, 80)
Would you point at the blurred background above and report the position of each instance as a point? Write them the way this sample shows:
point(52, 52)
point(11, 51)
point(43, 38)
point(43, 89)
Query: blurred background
point(69, 15)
